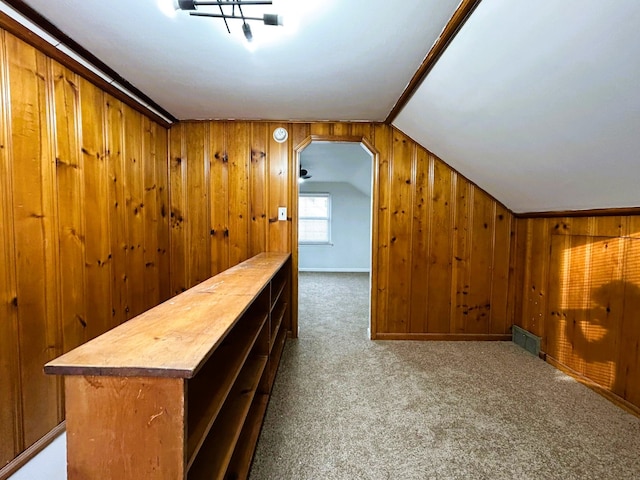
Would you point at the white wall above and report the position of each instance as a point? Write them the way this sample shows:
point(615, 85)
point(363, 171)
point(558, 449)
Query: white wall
point(350, 231)
point(49, 464)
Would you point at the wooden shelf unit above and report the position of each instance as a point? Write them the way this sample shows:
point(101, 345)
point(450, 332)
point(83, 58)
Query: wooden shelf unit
point(180, 391)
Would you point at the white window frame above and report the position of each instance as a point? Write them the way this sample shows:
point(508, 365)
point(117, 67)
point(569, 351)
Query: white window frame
point(326, 218)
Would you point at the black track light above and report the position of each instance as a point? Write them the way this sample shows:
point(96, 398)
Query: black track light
point(246, 29)
point(192, 7)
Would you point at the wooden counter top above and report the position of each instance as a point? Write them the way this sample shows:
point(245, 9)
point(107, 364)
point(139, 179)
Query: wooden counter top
point(171, 340)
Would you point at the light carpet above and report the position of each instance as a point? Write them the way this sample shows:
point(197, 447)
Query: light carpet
point(345, 407)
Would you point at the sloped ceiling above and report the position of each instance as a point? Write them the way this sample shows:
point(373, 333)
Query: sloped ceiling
point(339, 162)
point(537, 103)
point(534, 101)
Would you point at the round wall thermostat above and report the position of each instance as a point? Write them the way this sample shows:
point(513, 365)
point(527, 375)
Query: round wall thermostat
point(280, 134)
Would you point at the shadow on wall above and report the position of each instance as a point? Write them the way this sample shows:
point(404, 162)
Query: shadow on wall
point(594, 326)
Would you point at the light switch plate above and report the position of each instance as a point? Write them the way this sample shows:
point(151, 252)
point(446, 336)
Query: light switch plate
point(282, 213)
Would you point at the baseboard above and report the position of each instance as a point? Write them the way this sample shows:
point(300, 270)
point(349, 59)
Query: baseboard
point(612, 397)
point(17, 463)
point(464, 337)
point(335, 270)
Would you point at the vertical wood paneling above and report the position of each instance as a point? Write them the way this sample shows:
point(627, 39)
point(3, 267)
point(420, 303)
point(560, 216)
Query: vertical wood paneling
point(420, 202)
point(400, 252)
point(11, 439)
point(117, 211)
point(239, 151)
point(480, 281)
point(580, 292)
point(364, 130)
point(219, 194)
point(420, 242)
point(500, 321)
point(151, 295)
point(383, 142)
point(460, 283)
point(535, 286)
point(163, 216)
point(341, 129)
point(279, 239)
point(98, 248)
point(71, 212)
point(135, 211)
point(178, 213)
point(258, 190)
point(35, 236)
point(197, 207)
point(322, 129)
point(627, 383)
point(69, 190)
point(440, 247)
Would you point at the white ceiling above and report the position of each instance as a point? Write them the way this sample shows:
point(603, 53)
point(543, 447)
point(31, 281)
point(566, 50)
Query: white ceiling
point(345, 60)
point(536, 102)
point(339, 162)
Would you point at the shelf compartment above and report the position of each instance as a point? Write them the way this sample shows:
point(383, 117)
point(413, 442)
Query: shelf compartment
point(277, 287)
point(245, 448)
point(276, 355)
point(277, 315)
point(216, 451)
point(208, 390)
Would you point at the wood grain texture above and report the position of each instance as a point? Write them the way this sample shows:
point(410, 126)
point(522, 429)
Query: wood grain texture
point(117, 211)
point(179, 270)
point(197, 202)
point(258, 189)
point(579, 291)
point(11, 438)
point(135, 211)
point(67, 216)
point(108, 416)
point(71, 211)
point(219, 196)
point(280, 180)
point(239, 160)
point(171, 339)
point(35, 236)
point(436, 232)
point(133, 412)
point(163, 214)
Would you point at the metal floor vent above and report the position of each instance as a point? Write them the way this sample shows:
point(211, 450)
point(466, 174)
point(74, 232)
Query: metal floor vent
point(526, 340)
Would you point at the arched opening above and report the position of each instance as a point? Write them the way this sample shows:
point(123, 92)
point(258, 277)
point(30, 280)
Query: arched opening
point(371, 263)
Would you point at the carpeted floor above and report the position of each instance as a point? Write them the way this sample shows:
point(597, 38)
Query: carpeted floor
point(344, 407)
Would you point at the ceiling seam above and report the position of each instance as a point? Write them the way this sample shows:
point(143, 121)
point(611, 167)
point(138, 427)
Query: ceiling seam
point(458, 19)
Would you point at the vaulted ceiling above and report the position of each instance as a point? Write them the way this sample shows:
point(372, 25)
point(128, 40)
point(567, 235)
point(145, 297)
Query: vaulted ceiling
point(536, 102)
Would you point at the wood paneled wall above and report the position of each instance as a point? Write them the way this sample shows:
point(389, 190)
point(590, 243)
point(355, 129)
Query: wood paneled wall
point(444, 247)
point(84, 228)
point(578, 287)
point(227, 181)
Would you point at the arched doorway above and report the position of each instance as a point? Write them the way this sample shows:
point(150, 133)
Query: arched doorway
point(295, 188)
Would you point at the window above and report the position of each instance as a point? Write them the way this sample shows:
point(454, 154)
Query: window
point(314, 218)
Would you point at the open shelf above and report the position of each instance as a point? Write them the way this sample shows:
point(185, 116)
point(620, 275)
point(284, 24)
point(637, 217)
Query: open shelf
point(199, 370)
point(218, 448)
point(241, 461)
point(208, 390)
point(276, 293)
point(276, 322)
point(276, 354)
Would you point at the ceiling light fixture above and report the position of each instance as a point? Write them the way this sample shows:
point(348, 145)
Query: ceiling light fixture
point(304, 174)
point(228, 11)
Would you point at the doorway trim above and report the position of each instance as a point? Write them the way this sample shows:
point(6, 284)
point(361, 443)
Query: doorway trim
point(295, 189)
